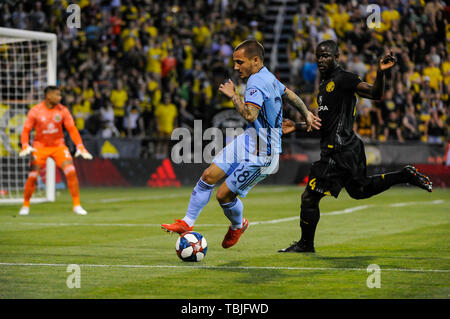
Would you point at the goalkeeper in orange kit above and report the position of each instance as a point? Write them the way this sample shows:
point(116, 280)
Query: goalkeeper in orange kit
point(47, 119)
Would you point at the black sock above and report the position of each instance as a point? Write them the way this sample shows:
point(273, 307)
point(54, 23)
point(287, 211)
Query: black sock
point(380, 183)
point(309, 218)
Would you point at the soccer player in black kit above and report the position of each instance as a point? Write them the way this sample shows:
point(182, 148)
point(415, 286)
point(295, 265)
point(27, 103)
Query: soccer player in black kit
point(342, 158)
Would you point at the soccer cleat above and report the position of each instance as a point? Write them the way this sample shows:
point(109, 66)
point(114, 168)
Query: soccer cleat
point(232, 236)
point(417, 178)
point(24, 211)
point(180, 226)
point(79, 210)
point(298, 247)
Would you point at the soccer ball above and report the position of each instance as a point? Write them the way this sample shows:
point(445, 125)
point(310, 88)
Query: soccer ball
point(191, 246)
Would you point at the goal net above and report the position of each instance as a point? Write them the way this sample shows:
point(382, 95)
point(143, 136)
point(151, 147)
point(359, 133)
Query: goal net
point(27, 66)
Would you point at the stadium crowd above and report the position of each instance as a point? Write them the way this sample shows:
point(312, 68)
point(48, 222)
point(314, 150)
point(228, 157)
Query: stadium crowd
point(142, 67)
point(415, 103)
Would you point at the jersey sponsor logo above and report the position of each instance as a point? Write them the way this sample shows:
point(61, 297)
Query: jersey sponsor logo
point(323, 108)
point(253, 91)
point(330, 86)
point(51, 129)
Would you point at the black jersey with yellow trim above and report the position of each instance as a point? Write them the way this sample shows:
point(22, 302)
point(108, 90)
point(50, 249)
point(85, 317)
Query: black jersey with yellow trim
point(336, 102)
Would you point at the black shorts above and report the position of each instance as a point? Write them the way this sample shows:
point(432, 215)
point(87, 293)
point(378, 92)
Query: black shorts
point(336, 170)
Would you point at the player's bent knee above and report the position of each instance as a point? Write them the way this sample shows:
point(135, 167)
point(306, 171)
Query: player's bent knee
point(310, 199)
point(69, 170)
point(33, 174)
point(210, 176)
point(206, 176)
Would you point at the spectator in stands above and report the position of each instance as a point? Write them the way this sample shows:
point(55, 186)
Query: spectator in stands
point(81, 111)
point(19, 17)
point(434, 128)
point(426, 96)
point(410, 124)
point(390, 16)
point(37, 17)
point(392, 129)
point(108, 128)
point(364, 124)
point(399, 98)
point(119, 97)
point(133, 122)
point(357, 66)
point(432, 8)
point(309, 72)
point(433, 74)
point(254, 32)
point(387, 104)
point(225, 51)
point(166, 115)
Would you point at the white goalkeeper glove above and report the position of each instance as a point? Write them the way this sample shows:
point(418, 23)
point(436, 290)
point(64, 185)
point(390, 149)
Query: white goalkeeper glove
point(83, 153)
point(26, 151)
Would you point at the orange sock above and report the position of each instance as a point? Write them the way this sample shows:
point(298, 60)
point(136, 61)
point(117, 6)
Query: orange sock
point(30, 186)
point(72, 183)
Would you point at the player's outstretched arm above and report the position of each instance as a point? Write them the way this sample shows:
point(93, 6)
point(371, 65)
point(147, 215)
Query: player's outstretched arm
point(312, 121)
point(248, 111)
point(376, 91)
point(25, 136)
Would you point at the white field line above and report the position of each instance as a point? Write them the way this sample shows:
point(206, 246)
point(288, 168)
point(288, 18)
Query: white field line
point(273, 221)
point(222, 267)
point(184, 195)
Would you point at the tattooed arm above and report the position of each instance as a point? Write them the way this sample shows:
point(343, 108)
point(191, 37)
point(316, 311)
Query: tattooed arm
point(312, 121)
point(247, 110)
point(296, 101)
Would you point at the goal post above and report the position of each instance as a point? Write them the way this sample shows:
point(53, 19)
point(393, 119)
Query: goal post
point(28, 62)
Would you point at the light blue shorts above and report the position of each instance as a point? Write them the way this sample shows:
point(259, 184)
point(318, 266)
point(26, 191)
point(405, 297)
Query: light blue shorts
point(244, 169)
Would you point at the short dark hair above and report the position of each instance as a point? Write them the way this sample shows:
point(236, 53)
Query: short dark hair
point(331, 45)
point(252, 48)
point(51, 88)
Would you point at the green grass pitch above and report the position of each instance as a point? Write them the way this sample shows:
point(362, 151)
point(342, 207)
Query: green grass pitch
point(122, 252)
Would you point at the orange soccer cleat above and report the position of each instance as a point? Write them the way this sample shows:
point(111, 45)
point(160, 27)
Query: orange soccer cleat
point(179, 227)
point(232, 236)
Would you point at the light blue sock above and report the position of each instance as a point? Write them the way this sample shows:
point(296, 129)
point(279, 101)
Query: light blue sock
point(199, 198)
point(234, 212)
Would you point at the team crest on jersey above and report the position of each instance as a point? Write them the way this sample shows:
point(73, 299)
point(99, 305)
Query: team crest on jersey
point(330, 87)
point(57, 118)
point(253, 91)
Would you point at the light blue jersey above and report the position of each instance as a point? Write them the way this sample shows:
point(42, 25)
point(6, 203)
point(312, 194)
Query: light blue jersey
point(254, 154)
point(264, 91)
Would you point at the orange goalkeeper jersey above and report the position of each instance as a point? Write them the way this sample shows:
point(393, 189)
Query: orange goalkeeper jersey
point(48, 125)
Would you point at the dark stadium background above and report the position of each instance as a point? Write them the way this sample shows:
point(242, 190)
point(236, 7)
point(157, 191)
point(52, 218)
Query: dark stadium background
point(129, 56)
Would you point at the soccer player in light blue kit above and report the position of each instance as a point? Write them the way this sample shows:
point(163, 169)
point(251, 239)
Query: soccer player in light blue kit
point(253, 155)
